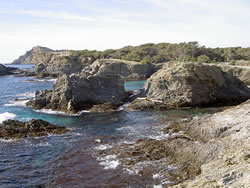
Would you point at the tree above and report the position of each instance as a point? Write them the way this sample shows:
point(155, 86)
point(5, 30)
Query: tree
point(203, 59)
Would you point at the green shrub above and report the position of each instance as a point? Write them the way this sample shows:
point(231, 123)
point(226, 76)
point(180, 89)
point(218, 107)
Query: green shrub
point(203, 59)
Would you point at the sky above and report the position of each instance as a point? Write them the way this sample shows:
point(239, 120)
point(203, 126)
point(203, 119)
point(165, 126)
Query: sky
point(112, 24)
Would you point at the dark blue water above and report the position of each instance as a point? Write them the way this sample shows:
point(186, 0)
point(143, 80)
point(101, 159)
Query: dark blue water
point(67, 160)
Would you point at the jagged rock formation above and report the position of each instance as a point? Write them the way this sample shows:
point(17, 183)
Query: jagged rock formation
point(37, 55)
point(13, 129)
point(129, 70)
point(7, 70)
point(190, 85)
point(243, 73)
point(76, 92)
point(206, 151)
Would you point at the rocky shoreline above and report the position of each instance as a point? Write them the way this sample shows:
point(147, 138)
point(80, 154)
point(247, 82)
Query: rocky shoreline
point(13, 129)
point(209, 151)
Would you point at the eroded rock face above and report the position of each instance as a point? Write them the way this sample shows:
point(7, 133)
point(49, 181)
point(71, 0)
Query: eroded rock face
point(76, 92)
point(128, 70)
point(52, 63)
point(58, 65)
point(12, 129)
point(190, 85)
point(207, 151)
point(243, 73)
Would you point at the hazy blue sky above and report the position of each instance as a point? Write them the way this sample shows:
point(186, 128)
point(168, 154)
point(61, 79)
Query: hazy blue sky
point(103, 24)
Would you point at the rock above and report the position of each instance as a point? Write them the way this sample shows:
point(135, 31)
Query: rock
point(8, 70)
point(191, 85)
point(76, 92)
point(58, 65)
point(51, 63)
point(206, 151)
point(36, 55)
point(13, 129)
point(243, 73)
point(128, 70)
point(4, 70)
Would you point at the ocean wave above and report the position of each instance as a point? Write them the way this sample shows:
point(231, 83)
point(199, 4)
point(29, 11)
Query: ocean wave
point(6, 115)
point(109, 162)
point(49, 111)
point(103, 147)
point(21, 102)
point(26, 94)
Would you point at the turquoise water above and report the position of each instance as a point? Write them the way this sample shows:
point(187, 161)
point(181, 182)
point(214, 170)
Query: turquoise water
point(67, 160)
point(134, 85)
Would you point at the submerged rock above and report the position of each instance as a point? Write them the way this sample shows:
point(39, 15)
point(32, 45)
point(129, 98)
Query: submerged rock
point(13, 129)
point(76, 92)
point(190, 85)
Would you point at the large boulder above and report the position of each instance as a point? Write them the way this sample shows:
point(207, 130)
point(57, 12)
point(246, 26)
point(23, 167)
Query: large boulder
point(190, 85)
point(76, 92)
point(13, 129)
point(128, 70)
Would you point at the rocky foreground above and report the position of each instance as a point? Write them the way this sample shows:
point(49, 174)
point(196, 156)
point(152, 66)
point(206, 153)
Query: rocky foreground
point(209, 151)
point(179, 85)
point(13, 129)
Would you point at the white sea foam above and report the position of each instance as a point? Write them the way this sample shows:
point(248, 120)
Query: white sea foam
point(157, 186)
point(17, 103)
point(156, 176)
point(51, 80)
point(109, 162)
point(103, 147)
point(7, 141)
point(49, 111)
point(161, 136)
point(26, 94)
point(6, 115)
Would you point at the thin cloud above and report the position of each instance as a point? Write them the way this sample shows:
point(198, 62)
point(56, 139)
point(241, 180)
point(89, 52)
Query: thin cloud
point(56, 15)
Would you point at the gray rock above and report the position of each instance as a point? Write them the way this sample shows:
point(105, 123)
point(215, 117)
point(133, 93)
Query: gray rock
point(76, 92)
point(128, 70)
point(241, 72)
point(190, 85)
point(8, 70)
point(12, 129)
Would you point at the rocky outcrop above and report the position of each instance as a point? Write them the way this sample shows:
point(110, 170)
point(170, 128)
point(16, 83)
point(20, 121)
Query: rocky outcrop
point(4, 70)
point(58, 65)
point(12, 129)
point(37, 55)
point(8, 70)
point(243, 73)
point(76, 92)
point(190, 85)
point(51, 63)
point(128, 70)
point(207, 151)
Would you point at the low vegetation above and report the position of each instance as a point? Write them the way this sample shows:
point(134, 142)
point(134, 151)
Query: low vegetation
point(164, 52)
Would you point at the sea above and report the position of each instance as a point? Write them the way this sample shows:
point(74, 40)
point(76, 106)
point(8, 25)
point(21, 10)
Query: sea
point(70, 160)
